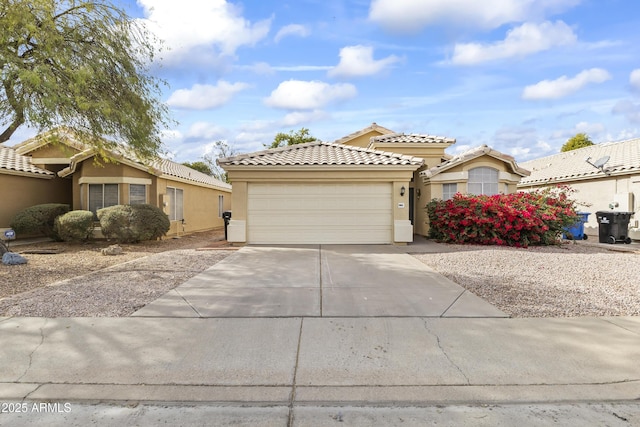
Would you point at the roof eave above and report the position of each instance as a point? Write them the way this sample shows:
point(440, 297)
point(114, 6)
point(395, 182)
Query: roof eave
point(593, 175)
point(230, 168)
point(14, 172)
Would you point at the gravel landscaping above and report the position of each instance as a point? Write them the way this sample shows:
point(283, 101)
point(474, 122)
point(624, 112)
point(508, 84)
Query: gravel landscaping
point(553, 281)
point(78, 281)
point(558, 281)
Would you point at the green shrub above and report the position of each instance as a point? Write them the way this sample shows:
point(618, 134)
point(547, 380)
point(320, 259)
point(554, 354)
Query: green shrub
point(133, 223)
point(75, 226)
point(519, 219)
point(39, 219)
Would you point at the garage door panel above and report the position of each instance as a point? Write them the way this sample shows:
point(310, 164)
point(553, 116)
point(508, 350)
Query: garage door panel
point(319, 213)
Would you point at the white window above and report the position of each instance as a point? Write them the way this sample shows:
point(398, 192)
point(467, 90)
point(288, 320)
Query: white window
point(137, 194)
point(448, 191)
point(220, 205)
point(175, 203)
point(102, 196)
point(483, 180)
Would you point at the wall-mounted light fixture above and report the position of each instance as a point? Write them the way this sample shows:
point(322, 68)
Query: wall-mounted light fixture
point(402, 190)
point(418, 192)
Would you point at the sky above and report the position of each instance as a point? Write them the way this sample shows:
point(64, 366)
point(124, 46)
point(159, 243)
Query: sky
point(521, 76)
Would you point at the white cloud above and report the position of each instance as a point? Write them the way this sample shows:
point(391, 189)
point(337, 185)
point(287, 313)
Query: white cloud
point(589, 128)
point(297, 68)
point(301, 117)
point(291, 30)
point(204, 97)
point(204, 131)
point(358, 61)
point(309, 95)
point(634, 78)
point(629, 109)
point(187, 25)
point(406, 16)
point(520, 41)
point(461, 148)
point(544, 146)
point(519, 152)
point(563, 86)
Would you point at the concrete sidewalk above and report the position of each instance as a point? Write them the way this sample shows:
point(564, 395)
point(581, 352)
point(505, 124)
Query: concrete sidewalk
point(303, 360)
point(300, 363)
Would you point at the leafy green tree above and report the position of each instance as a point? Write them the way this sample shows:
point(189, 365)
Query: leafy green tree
point(82, 64)
point(200, 167)
point(580, 140)
point(299, 137)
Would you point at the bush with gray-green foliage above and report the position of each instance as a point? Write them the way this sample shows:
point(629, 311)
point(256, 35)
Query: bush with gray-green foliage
point(39, 219)
point(75, 226)
point(133, 223)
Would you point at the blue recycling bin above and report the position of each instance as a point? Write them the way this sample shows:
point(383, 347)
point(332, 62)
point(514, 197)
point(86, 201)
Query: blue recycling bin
point(576, 231)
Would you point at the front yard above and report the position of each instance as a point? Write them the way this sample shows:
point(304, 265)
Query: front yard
point(556, 281)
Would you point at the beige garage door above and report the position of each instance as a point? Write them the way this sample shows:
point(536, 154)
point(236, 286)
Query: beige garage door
point(319, 213)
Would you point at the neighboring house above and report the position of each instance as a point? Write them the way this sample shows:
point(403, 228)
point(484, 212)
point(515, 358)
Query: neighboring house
point(23, 184)
point(351, 192)
point(616, 184)
point(192, 200)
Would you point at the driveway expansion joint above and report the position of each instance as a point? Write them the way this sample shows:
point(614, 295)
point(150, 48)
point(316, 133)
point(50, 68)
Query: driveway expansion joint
point(188, 303)
point(292, 398)
point(620, 326)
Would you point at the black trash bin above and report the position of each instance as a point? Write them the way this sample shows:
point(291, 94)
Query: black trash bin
point(226, 215)
point(613, 227)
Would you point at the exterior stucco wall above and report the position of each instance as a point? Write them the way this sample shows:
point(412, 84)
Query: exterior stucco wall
point(597, 194)
point(200, 204)
point(431, 153)
point(362, 140)
point(20, 192)
point(52, 151)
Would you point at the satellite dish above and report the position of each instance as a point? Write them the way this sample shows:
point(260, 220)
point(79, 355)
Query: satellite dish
point(601, 162)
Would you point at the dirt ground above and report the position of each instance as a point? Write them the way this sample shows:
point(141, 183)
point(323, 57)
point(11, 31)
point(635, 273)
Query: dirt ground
point(67, 260)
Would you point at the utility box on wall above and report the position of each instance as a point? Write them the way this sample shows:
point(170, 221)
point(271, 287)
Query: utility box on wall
point(623, 202)
point(164, 203)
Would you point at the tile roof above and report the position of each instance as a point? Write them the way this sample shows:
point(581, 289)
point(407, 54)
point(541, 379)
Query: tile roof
point(472, 154)
point(12, 162)
point(413, 138)
point(320, 154)
point(571, 165)
point(158, 167)
point(60, 134)
point(373, 127)
point(167, 167)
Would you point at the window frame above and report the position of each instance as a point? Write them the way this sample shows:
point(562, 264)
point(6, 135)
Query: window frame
point(483, 181)
point(102, 205)
point(174, 206)
point(144, 187)
point(448, 193)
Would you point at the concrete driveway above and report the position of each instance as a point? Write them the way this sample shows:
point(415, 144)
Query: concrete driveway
point(319, 281)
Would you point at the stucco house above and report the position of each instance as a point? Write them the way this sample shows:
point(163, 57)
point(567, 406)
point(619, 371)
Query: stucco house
point(368, 187)
point(22, 184)
point(615, 184)
point(69, 173)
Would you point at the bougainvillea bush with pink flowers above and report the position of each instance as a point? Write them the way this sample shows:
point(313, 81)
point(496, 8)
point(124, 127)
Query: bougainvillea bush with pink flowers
point(518, 219)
